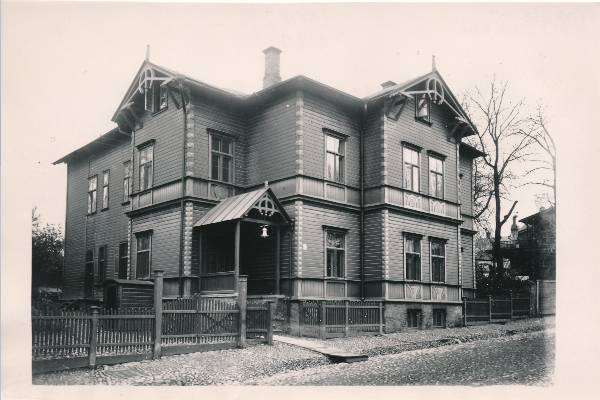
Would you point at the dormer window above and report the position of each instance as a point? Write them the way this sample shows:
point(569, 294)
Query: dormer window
point(156, 98)
point(422, 110)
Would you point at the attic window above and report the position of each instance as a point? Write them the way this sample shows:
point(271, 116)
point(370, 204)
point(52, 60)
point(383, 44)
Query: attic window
point(422, 109)
point(156, 98)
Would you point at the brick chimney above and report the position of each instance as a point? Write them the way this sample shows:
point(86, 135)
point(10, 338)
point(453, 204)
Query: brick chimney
point(271, 67)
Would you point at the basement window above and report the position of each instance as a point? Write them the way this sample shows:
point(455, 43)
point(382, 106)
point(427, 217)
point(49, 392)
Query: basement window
point(413, 318)
point(439, 318)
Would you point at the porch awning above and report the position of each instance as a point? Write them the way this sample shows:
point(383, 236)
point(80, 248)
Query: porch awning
point(263, 201)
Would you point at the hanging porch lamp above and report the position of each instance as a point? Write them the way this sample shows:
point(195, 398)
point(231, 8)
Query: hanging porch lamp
point(264, 232)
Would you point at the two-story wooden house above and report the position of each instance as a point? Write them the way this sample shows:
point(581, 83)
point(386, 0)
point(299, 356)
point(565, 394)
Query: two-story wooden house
point(309, 191)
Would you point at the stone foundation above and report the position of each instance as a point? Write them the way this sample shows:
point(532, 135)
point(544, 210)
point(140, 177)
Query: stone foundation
point(395, 315)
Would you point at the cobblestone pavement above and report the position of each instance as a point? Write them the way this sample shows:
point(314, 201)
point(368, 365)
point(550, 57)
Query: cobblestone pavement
point(225, 367)
point(518, 359)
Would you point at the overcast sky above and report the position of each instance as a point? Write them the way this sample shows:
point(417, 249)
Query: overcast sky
point(65, 68)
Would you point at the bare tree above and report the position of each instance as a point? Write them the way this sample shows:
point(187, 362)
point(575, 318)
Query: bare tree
point(506, 139)
point(539, 134)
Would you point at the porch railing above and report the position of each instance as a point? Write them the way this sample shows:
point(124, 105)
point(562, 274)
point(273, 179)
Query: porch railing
point(218, 281)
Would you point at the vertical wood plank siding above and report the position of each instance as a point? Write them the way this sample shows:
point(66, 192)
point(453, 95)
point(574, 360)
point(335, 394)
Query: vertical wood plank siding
point(210, 116)
point(466, 192)
point(435, 137)
point(399, 223)
point(313, 258)
point(166, 128)
point(104, 228)
point(467, 260)
point(373, 261)
point(166, 230)
point(320, 114)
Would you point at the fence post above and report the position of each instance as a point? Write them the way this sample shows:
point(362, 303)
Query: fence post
point(511, 304)
point(158, 313)
point(242, 304)
point(271, 307)
point(490, 307)
point(464, 316)
point(381, 317)
point(537, 298)
point(322, 312)
point(93, 337)
point(347, 312)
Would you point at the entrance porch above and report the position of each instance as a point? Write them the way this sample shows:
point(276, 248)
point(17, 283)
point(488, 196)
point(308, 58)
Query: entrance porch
point(242, 235)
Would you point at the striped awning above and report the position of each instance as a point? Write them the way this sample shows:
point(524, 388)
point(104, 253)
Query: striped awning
point(237, 207)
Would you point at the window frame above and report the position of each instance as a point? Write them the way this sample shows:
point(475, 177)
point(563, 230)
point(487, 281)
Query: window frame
point(437, 174)
point(426, 118)
point(138, 237)
point(340, 157)
point(149, 182)
point(442, 312)
point(221, 155)
point(341, 270)
point(443, 242)
point(418, 313)
point(101, 268)
point(153, 97)
point(123, 257)
point(92, 195)
point(412, 236)
point(406, 147)
point(126, 180)
point(105, 189)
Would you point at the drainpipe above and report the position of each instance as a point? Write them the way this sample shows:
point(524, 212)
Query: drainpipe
point(131, 183)
point(459, 214)
point(362, 201)
point(182, 202)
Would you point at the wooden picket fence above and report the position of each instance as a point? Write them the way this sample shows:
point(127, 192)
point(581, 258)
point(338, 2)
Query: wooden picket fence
point(489, 310)
point(335, 318)
point(172, 326)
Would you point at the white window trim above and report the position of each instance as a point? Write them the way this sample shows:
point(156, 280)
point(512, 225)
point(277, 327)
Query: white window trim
point(418, 165)
point(405, 235)
point(345, 234)
point(151, 176)
point(342, 139)
point(432, 239)
point(443, 197)
point(107, 186)
point(137, 251)
point(212, 133)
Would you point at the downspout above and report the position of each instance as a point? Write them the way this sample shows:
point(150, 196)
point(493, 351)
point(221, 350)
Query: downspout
point(459, 214)
point(362, 200)
point(182, 202)
point(132, 180)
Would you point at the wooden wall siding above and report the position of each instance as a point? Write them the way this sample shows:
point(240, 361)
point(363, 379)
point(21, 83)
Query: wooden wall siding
point(395, 290)
point(312, 187)
point(373, 261)
point(166, 128)
point(77, 174)
point(271, 142)
point(373, 147)
point(314, 217)
point(467, 221)
point(434, 137)
point(466, 188)
point(399, 223)
point(467, 261)
point(199, 210)
point(320, 114)
point(161, 194)
point(211, 116)
point(311, 288)
point(284, 188)
point(105, 227)
point(166, 232)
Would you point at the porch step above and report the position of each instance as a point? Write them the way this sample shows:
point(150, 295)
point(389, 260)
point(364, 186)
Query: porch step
point(332, 353)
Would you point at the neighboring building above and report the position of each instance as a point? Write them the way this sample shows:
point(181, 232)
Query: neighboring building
point(532, 250)
point(366, 198)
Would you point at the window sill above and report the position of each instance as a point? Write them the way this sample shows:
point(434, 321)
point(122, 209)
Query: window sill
point(413, 281)
point(423, 121)
point(335, 278)
point(92, 213)
point(104, 209)
point(154, 113)
point(332, 182)
point(124, 203)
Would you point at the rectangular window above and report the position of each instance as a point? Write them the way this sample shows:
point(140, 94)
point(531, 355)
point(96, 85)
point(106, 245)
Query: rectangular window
point(334, 158)
point(438, 260)
point(411, 169)
point(92, 190)
point(88, 278)
point(101, 263)
point(413, 318)
point(156, 97)
point(439, 318)
point(335, 248)
point(412, 254)
point(146, 167)
point(144, 254)
point(105, 180)
point(436, 177)
point(123, 260)
point(422, 110)
point(126, 180)
point(221, 150)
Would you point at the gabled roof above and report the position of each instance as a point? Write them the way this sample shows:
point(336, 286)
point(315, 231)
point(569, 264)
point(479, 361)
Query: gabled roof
point(237, 207)
point(113, 138)
point(469, 150)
